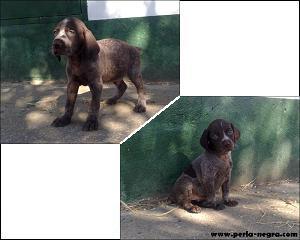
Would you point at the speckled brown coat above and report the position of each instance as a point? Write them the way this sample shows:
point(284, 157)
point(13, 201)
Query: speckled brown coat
point(211, 171)
point(93, 63)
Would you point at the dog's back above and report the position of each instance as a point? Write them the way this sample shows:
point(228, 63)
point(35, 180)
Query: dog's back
point(118, 59)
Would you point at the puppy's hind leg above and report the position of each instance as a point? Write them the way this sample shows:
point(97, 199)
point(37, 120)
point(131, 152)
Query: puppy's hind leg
point(121, 85)
point(185, 200)
point(135, 76)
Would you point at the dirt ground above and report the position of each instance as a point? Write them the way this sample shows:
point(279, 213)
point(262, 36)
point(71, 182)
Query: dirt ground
point(28, 109)
point(266, 208)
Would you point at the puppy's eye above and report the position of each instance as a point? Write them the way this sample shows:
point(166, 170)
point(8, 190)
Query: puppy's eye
point(229, 131)
point(71, 31)
point(55, 32)
point(214, 136)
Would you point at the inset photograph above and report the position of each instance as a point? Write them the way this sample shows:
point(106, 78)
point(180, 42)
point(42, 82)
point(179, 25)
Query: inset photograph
point(208, 167)
point(85, 71)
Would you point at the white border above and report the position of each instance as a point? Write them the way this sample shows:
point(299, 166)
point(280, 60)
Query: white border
point(149, 120)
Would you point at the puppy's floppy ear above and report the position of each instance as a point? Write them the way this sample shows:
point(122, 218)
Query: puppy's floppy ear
point(236, 133)
point(91, 47)
point(204, 139)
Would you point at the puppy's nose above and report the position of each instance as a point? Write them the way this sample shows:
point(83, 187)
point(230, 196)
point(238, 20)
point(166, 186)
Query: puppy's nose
point(227, 143)
point(58, 43)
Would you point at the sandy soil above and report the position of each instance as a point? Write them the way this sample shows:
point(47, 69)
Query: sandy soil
point(266, 208)
point(28, 109)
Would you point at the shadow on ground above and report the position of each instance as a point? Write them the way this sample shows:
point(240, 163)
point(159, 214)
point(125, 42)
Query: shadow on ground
point(28, 109)
point(267, 208)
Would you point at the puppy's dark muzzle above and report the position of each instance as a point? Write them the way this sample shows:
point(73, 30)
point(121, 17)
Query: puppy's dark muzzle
point(58, 46)
point(228, 144)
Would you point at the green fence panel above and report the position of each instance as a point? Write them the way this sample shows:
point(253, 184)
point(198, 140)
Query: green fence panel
point(154, 157)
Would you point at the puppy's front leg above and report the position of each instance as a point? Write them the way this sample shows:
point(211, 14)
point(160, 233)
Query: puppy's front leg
point(225, 193)
point(72, 90)
point(210, 192)
point(92, 119)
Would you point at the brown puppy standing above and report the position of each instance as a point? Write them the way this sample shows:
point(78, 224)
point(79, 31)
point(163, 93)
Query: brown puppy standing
point(210, 171)
point(92, 63)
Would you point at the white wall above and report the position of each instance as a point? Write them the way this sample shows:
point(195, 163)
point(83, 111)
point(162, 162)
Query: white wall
point(126, 9)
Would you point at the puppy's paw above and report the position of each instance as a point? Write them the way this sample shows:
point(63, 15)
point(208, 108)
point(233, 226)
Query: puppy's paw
point(111, 101)
point(219, 206)
point(91, 124)
point(231, 203)
point(194, 209)
point(139, 108)
point(61, 121)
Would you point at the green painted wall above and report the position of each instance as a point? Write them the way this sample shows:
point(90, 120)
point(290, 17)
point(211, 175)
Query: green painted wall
point(158, 36)
point(154, 157)
point(24, 9)
point(26, 43)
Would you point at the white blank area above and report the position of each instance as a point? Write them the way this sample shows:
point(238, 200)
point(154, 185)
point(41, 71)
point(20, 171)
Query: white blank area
point(126, 9)
point(60, 191)
point(239, 48)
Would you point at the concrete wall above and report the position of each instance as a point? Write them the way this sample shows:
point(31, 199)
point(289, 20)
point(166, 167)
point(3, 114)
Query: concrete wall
point(26, 41)
point(153, 158)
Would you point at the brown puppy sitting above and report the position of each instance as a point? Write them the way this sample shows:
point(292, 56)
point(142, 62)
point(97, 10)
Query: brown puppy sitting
point(199, 182)
point(92, 63)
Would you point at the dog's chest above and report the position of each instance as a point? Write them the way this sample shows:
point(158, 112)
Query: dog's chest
point(81, 78)
point(80, 73)
point(77, 71)
point(224, 166)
